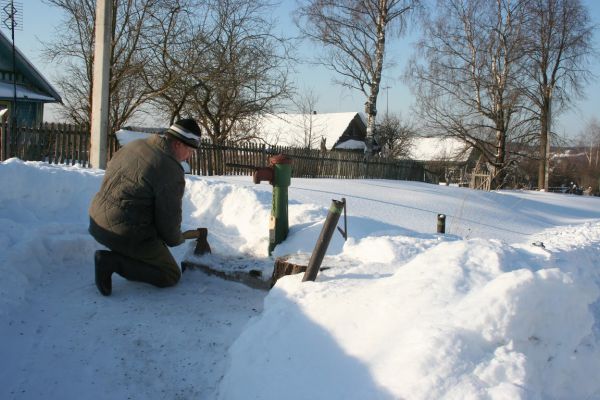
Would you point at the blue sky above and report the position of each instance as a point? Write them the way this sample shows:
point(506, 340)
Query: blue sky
point(40, 22)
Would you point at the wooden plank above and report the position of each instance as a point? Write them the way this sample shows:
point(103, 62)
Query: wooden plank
point(56, 147)
point(72, 157)
point(78, 140)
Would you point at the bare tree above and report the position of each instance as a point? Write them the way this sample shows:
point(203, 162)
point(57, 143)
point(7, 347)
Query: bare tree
point(241, 71)
point(590, 144)
point(395, 136)
point(469, 86)
point(589, 141)
point(172, 55)
point(306, 104)
point(559, 50)
point(354, 34)
point(74, 46)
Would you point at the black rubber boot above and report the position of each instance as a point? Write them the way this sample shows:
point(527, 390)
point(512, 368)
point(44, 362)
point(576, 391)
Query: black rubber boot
point(104, 269)
point(109, 262)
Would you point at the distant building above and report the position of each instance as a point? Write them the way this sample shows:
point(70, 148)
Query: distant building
point(33, 90)
point(330, 131)
point(451, 159)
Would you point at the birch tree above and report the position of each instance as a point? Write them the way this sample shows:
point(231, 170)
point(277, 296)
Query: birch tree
point(469, 83)
point(353, 34)
point(559, 45)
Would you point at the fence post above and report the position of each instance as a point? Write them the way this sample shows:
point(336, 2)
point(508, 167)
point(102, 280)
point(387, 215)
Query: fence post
point(87, 136)
point(441, 223)
point(3, 139)
point(80, 147)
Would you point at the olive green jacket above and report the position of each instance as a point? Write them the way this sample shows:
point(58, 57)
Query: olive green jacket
point(140, 198)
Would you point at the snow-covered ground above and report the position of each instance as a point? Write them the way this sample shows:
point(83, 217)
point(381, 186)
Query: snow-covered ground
point(478, 313)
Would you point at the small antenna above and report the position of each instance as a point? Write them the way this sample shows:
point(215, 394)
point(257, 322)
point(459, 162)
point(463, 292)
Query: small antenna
point(12, 18)
point(12, 15)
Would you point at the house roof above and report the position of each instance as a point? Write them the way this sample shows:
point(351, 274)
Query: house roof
point(7, 92)
point(439, 149)
point(352, 144)
point(285, 129)
point(42, 89)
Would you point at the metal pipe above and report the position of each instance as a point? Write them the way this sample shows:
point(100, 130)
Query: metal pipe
point(441, 223)
point(282, 176)
point(318, 253)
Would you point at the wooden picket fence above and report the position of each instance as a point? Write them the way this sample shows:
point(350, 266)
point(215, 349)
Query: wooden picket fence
point(241, 159)
point(50, 142)
point(68, 144)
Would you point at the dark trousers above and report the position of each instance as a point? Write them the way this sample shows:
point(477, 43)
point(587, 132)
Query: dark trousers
point(149, 261)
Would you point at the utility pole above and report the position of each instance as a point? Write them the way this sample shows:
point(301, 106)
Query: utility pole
point(100, 84)
point(387, 99)
point(13, 17)
point(13, 20)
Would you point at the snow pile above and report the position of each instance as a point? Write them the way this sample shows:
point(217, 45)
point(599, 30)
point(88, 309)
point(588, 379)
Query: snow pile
point(462, 319)
point(43, 222)
point(125, 136)
point(237, 216)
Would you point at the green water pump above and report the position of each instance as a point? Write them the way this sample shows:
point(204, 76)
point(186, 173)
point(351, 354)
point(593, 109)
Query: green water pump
point(278, 174)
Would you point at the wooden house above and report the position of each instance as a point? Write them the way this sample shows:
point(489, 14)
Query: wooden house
point(450, 159)
point(32, 89)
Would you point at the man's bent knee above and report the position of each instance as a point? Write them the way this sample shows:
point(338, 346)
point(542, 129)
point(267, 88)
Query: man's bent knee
point(171, 277)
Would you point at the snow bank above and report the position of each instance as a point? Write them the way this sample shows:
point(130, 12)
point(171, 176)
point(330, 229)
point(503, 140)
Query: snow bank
point(238, 216)
point(44, 220)
point(456, 319)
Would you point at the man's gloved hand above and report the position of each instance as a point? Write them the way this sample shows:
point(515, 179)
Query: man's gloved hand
point(191, 234)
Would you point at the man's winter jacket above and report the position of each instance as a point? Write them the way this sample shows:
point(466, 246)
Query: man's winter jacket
point(139, 201)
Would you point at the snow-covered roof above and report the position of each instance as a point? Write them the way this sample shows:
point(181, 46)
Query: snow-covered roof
point(35, 77)
point(7, 91)
point(439, 149)
point(567, 153)
point(352, 145)
point(285, 129)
